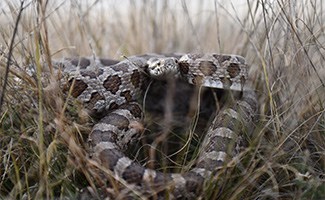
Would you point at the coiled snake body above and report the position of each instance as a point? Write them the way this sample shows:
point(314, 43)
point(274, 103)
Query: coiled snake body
point(111, 90)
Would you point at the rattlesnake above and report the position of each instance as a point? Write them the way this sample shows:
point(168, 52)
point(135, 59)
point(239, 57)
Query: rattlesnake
point(111, 89)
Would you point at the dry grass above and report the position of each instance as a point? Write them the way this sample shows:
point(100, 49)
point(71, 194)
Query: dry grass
point(41, 151)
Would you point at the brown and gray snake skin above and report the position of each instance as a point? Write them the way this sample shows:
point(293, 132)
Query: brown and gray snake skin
point(113, 88)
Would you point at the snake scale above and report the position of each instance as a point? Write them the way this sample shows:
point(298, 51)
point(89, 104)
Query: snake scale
point(111, 89)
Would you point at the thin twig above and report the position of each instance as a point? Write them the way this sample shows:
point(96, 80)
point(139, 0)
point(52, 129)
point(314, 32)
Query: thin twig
point(5, 80)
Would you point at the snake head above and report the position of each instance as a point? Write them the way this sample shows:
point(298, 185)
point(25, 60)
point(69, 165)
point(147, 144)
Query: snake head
point(161, 68)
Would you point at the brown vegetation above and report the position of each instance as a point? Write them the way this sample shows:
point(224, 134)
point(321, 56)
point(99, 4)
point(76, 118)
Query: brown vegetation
point(41, 148)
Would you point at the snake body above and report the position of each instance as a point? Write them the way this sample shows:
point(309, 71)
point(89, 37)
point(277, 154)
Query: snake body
point(111, 89)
